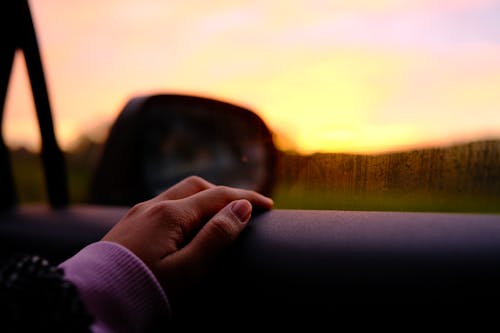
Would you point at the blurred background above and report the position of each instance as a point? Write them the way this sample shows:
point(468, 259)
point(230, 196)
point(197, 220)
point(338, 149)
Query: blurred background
point(374, 105)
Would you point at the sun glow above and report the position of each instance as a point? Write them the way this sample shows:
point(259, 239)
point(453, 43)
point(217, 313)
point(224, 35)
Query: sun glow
point(347, 76)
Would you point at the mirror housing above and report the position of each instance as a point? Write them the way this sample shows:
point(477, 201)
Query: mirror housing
point(158, 140)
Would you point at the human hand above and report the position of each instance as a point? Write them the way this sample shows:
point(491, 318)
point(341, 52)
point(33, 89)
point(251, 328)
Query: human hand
point(179, 233)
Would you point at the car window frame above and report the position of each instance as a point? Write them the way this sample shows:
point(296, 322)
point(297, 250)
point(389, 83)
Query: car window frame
point(288, 258)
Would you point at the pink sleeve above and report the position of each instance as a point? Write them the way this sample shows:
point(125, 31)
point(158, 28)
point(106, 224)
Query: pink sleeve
point(118, 289)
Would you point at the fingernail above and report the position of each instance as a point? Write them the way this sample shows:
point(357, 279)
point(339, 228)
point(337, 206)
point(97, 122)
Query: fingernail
point(242, 209)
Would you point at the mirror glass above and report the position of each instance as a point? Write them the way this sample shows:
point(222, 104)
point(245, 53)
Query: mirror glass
point(223, 143)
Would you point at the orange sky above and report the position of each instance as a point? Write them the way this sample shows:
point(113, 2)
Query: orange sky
point(345, 76)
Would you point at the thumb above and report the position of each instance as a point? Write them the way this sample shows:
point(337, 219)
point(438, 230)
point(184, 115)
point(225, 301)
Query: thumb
point(219, 232)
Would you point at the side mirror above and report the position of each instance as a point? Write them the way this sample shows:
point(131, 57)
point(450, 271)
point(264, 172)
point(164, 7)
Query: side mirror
point(157, 140)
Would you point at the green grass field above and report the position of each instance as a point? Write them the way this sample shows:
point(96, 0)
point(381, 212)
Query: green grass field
point(31, 188)
point(463, 179)
point(30, 183)
point(306, 198)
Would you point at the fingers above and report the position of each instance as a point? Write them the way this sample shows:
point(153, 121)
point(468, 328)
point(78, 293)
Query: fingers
point(217, 234)
point(186, 187)
point(205, 204)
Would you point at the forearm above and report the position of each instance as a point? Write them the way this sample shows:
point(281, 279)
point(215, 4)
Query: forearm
point(118, 289)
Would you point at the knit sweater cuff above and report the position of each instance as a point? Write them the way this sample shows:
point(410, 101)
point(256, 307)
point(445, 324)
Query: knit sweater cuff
point(118, 289)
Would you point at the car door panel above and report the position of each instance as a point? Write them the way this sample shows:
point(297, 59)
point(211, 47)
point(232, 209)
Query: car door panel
point(322, 258)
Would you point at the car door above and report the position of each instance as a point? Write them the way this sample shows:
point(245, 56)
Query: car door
point(291, 263)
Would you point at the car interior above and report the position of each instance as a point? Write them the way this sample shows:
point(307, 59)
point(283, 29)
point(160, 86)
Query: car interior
point(290, 265)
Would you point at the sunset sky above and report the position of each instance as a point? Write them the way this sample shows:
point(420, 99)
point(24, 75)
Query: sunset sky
point(342, 76)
